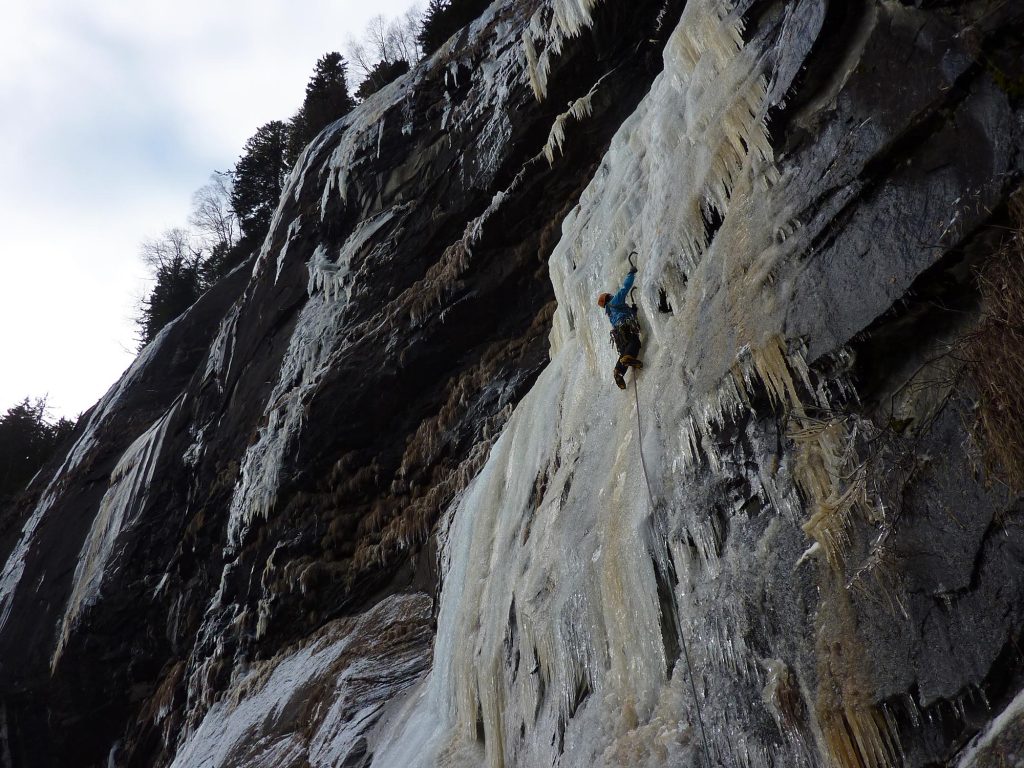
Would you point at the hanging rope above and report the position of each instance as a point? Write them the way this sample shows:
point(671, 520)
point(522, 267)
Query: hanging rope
point(682, 634)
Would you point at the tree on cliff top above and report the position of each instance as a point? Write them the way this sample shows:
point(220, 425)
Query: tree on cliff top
point(27, 440)
point(183, 263)
point(327, 99)
point(177, 266)
point(446, 17)
point(382, 73)
point(212, 215)
point(259, 178)
point(387, 50)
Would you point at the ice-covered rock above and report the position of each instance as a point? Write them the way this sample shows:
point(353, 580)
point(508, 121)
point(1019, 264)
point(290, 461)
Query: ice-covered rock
point(375, 501)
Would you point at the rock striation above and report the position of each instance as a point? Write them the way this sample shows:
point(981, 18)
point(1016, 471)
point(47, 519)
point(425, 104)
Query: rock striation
point(374, 501)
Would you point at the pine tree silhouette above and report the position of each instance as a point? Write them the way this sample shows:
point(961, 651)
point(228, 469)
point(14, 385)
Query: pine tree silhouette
point(327, 99)
point(444, 18)
point(259, 177)
point(27, 441)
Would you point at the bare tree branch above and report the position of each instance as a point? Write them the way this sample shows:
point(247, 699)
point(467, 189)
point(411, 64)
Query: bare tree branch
point(212, 214)
point(173, 247)
point(387, 41)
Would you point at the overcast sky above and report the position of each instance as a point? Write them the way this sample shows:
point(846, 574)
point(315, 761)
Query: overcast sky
point(111, 114)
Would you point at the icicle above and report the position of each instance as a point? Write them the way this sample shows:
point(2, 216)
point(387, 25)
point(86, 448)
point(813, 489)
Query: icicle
point(555, 138)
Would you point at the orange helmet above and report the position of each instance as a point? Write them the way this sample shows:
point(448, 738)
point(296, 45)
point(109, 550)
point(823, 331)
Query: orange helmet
point(603, 299)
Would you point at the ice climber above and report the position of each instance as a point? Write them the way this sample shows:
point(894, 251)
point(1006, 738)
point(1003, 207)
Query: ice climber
point(625, 328)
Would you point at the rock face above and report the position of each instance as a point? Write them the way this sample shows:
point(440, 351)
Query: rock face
point(374, 500)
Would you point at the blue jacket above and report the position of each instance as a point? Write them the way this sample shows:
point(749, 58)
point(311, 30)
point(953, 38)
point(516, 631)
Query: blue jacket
point(617, 309)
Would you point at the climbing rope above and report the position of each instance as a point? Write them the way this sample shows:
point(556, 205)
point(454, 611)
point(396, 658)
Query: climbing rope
point(682, 634)
point(640, 437)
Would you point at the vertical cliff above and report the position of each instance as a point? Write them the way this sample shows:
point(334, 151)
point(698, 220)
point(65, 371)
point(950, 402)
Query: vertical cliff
point(374, 499)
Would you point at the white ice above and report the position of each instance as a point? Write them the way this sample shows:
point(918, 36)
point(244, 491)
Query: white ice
point(550, 642)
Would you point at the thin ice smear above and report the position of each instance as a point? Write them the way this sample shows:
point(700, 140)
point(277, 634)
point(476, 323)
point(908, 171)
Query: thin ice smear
point(122, 504)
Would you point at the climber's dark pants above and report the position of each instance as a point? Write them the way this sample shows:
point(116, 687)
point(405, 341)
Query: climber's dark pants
point(627, 342)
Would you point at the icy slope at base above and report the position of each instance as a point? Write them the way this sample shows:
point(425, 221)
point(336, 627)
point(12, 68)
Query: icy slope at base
point(550, 644)
point(309, 705)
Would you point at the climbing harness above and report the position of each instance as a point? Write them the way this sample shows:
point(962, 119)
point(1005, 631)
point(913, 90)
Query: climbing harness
point(682, 634)
point(624, 331)
point(621, 334)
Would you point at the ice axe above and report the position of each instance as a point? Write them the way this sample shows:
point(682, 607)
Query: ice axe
point(632, 266)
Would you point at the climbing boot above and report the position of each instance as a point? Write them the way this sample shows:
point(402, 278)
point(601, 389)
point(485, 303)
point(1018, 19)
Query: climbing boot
point(631, 361)
point(619, 381)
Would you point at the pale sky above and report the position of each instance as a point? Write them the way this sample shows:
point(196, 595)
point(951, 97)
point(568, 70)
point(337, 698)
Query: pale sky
point(112, 114)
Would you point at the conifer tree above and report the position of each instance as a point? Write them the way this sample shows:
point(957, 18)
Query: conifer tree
point(383, 73)
point(259, 178)
point(444, 18)
point(27, 441)
point(327, 99)
point(178, 271)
